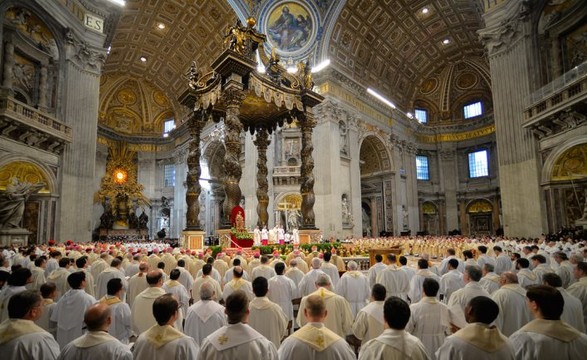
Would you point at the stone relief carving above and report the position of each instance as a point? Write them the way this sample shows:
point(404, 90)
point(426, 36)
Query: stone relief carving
point(501, 36)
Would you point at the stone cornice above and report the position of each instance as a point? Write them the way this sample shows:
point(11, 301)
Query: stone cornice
point(504, 25)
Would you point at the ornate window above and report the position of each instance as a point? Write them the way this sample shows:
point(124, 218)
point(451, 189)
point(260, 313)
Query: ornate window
point(421, 115)
point(168, 125)
point(422, 170)
point(479, 164)
point(473, 110)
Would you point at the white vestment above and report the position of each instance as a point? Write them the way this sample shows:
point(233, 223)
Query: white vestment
point(121, 326)
point(268, 319)
point(308, 283)
point(238, 284)
point(565, 271)
point(181, 294)
point(542, 269)
point(142, 309)
point(394, 345)
point(395, 281)
point(38, 278)
point(59, 278)
point(263, 270)
point(237, 341)
point(513, 308)
point(354, 287)
point(572, 311)
point(526, 278)
point(579, 290)
point(549, 339)
point(477, 342)
point(203, 318)
point(229, 275)
point(332, 271)
point(100, 265)
point(69, 315)
point(443, 268)
point(44, 321)
point(315, 342)
point(186, 279)
point(490, 282)
point(415, 293)
point(460, 298)
point(215, 274)
point(374, 271)
point(22, 339)
point(295, 274)
point(5, 294)
point(369, 322)
point(96, 345)
point(165, 342)
point(429, 321)
point(503, 263)
point(449, 283)
point(485, 259)
point(198, 284)
point(104, 277)
point(136, 285)
point(340, 316)
point(282, 290)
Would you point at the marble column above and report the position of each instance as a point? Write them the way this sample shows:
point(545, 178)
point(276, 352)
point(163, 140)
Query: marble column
point(232, 143)
point(81, 88)
point(307, 171)
point(514, 64)
point(192, 197)
point(262, 141)
point(374, 215)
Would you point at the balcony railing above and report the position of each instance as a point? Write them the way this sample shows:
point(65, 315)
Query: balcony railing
point(14, 110)
point(286, 171)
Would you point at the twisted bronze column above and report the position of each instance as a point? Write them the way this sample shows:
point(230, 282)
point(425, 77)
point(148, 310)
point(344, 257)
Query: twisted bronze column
point(232, 98)
point(307, 123)
point(262, 141)
point(195, 123)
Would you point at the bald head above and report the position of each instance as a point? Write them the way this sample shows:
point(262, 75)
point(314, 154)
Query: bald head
point(293, 263)
point(97, 317)
point(155, 278)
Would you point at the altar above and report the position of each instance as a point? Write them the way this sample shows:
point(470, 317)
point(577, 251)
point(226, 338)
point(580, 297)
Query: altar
point(123, 234)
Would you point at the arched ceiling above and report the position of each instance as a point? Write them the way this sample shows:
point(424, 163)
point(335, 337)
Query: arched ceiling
point(388, 45)
point(392, 46)
point(193, 31)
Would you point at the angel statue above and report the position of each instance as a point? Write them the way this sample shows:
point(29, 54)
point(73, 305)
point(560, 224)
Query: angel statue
point(13, 199)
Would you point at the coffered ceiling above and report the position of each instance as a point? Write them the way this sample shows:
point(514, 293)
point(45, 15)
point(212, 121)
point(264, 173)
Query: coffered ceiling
point(391, 46)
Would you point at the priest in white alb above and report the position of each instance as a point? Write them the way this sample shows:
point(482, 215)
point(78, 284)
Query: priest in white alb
point(97, 343)
point(120, 326)
point(573, 309)
point(395, 280)
point(205, 316)
point(266, 316)
point(163, 340)
point(478, 340)
point(354, 287)
point(114, 271)
point(20, 337)
point(282, 290)
point(369, 322)
point(394, 343)
point(308, 283)
point(460, 298)
point(237, 340)
point(70, 309)
point(206, 278)
point(341, 317)
point(511, 299)
point(173, 286)
point(137, 283)
point(430, 319)
point(237, 283)
point(415, 292)
point(547, 337)
point(314, 340)
point(142, 307)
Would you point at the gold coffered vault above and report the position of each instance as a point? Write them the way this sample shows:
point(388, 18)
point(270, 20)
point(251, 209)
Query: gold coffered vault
point(248, 100)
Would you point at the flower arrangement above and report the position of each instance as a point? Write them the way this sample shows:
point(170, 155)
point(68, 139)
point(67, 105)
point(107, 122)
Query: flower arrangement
point(241, 234)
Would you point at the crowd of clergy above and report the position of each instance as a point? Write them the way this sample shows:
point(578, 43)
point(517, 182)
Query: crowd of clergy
point(502, 299)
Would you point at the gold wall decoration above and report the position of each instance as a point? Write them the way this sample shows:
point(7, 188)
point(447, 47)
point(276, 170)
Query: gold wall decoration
point(31, 27)
point(25, 172)
point(290, 202)
point(462, 136)
point(571, 164)
point(429, 208)
point(480, 206)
